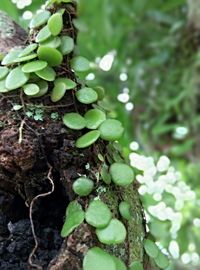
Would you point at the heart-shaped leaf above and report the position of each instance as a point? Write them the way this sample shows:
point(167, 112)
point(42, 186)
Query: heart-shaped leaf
point(94, 118)
point(98, 214)
point(58, 92)
point(67, 45)
point(114, 233)
point(43, 34)
point(88, 139)
point(83, 186)
point(31, 89)
point(47, 74)
point(98, 259)
point(55, 24)
point(80, 64)
point(122, 174)
point(16, 78)
point(151, 248)
point(74, 218)
point(111, 130)
point(74, 121)
point(39, 19)
point(51, 55)
point(86, 95)
point(34, 66)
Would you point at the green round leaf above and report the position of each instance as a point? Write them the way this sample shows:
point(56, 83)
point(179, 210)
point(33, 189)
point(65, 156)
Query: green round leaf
point(43, 89)
point(51, 55)
point(136, 265)
point(162, 261)
point(67, 45)
point(111, 130)
point(43, 34)
point(98, 259)
point(31, 89)
point(3, 72)
point(86, 95)
point(151, 248)
point(47, 74)
point(16, 78)
point(58, 92)
point(114, 233)
point(74, 121)
point(94, 118)
point(124, 209)
point(34, 66)
point(3, 87)
point(11, 56)
point(83, 186)
point(74, 218)
point(29, 49)
point(39, 19)
point(100, 92)
point(98, 214)
point(122, 174)
point(69, 84)
point(55, 24)
point(53, 42)
point(88, 139)
point(80, 64)
point(25, 58)
point(120, 265)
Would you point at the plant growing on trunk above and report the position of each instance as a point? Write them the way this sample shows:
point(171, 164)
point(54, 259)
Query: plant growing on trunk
point(62, 131)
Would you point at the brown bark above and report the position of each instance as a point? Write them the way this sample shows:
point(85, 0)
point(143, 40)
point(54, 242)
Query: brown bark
point(11, 35)
point(48, 151)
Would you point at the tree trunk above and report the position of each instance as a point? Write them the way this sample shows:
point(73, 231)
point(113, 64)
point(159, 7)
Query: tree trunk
point(40, 157)
point(194, 13)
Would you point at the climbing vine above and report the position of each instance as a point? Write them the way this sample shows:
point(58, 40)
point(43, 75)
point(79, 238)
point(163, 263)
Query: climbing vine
point(33, 71)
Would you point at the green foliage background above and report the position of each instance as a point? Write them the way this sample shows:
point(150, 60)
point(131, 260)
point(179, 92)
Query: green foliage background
point(157, 51)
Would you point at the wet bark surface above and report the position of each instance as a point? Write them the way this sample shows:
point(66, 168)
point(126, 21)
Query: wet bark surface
point(36, 150)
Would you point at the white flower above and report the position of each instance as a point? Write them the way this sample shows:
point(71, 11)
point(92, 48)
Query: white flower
point(163, 164)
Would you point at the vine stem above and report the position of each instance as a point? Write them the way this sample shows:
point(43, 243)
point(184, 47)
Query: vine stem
point(42, 195)
point(21, 131)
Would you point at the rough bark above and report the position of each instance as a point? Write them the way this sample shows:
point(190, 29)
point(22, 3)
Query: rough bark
point(11, 34)
point(48, 148)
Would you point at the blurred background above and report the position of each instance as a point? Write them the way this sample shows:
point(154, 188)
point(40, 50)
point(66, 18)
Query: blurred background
point(146, 55)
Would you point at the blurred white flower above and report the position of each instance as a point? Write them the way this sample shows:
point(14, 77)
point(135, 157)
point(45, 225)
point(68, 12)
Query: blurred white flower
point(129, 106)
point(123, 97)
point(163, 164)
point(134, 146)
point(107, 60)
point(174, 249)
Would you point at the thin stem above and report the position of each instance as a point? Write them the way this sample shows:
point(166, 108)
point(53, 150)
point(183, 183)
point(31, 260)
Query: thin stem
point(42, 195)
